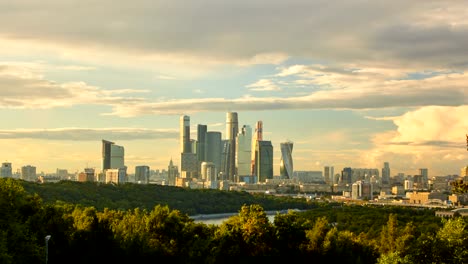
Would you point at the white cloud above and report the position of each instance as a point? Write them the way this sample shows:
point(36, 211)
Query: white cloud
point(429, 137)
point(89, 134)
point(263, 85)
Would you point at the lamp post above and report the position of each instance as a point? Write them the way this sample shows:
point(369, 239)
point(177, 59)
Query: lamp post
point(47, 247)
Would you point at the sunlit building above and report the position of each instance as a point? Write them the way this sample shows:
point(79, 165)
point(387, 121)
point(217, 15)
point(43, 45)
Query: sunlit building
point(232, 129)
point(286, 162)
point(264, 158)
point(244, 149)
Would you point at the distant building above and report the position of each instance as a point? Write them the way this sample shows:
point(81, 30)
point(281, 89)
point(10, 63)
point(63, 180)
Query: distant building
point(243, 154)
point(116, 176)
point(213, 148)
point(257, 136)
point(62, 173)
point(172, 173)
point(201, 143)
point(185, 146)
point(142, 174)
point(90, 174)
point(232, 129)
point(425, 177)
point(328, 174)
point(346, 176)
point(113, 156)
point(386, 174)
point(28, 173)
point(309, 177)
point(361, 190)
point(286, 161)
point(6, 170)
point(189, 165)
point(264, 158)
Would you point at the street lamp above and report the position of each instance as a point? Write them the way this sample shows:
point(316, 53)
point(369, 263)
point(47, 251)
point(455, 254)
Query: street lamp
point(47, 247)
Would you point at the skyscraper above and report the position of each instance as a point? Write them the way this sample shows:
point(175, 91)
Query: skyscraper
point(113, 156)
point(425, 177)
point(201, 143)
point(243, 146)
point(172, 173)
point(386, 174)
point(185, 146)
point(264, 158)
point(258, 136)
point(232, 128)
point(213, 148)
point(329, 175)
point(286, 162)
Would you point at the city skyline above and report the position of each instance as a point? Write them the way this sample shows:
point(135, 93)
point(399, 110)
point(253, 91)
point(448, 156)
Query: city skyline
point(351, 84)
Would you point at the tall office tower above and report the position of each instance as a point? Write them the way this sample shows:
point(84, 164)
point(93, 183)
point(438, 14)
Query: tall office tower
point(329, 175)
point(185, 145)
point(172, 173)
point(386, 174)
point(264, 158)
point(232, 129)
point(213, 148)
point(28, 173)
point(201, 142)
point(62, 173)
point(258, 136)
point(244, 155)
point(286, 162)
point(6, 170)
point(425, 177)
point(142, 174)
point(346, 176)
point(225, 151)
point(113, 156)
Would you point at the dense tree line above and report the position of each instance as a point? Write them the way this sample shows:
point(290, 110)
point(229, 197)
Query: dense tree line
point(83, 234)
point(130, 196)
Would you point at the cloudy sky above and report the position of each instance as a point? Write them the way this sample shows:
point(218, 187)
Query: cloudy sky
point(351, 83)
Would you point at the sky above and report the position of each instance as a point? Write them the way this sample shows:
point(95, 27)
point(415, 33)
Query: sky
point(350, 83)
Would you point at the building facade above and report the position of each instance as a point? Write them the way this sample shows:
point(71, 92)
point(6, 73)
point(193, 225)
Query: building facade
point(286, 161)
point(232, 129)
point(142, 174)
point(243, 155)
point(264, 158)
point(6, 171)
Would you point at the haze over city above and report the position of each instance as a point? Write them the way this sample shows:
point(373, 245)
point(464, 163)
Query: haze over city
point(351, 83)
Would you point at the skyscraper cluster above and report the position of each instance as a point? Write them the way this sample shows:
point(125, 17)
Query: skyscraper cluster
point(238, 157)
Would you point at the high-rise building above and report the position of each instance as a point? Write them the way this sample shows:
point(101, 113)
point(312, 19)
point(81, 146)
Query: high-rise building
point(257, 136)
point(264, 158)
point(6, 170)
point(244, 148)
point(286, 162)
point(425, 177)
point(172, 174)
point(346, 176)
point(28, 173)
point(386, 173)
point(225, 151)
point(113, 156)
point(201, 143)
point(116, 176)
point(232, 129)
point(142, 174)
point(213, 148)
point(329, 173)
point(185, 146)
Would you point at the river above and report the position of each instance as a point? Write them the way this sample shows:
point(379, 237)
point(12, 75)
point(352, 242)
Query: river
point(218, 219)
